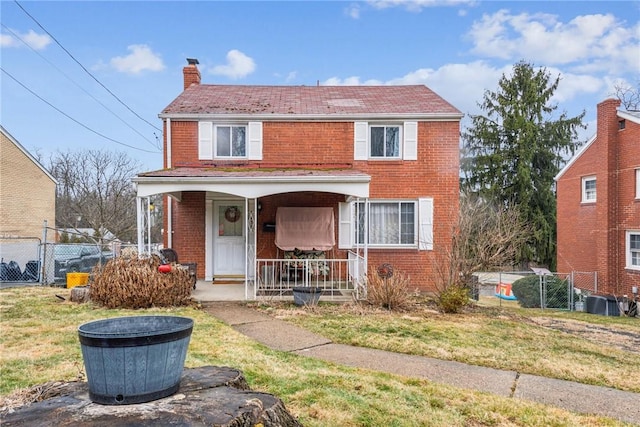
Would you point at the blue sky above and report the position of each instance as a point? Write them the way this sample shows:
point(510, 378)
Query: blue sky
point(134, 52)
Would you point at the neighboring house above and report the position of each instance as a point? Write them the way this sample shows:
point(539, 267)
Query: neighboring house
point(87, 234)
point(357, 176)
point(598, 195)
point(27, 192)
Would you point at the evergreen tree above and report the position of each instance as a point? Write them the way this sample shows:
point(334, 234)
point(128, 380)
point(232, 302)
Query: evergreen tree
point(512, 153)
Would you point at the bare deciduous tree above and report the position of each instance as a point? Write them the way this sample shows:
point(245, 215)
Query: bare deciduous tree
point(485, 237)
point(628, 95)
point(95, 191)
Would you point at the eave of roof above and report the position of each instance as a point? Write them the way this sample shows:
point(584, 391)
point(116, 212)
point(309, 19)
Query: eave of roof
point(633, 116)
point(251, 183)
point(199, 173)
point(29, 156)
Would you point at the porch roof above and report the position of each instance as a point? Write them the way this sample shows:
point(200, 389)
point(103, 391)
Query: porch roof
point(250, 183)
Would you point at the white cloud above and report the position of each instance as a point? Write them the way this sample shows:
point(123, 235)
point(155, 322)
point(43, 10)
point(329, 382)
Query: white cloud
point(417, 5)
point(350, 81)
point(353, 10)
point(464, 84)
point(597, 42)
point(291, 76)
point(573, 85)
point(238, 65)
point(34, 40)
point(140, 59)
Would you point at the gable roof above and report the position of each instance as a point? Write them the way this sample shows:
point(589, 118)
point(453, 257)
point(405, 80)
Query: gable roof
point(27, 154)
point(633, 116)
point(310, 102)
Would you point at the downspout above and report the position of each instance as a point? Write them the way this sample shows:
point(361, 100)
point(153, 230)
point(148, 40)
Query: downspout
point(169, 212)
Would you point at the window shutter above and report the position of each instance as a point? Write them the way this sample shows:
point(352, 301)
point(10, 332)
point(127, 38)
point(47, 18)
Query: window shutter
point(345, 225)
point(254, 141)
point(360, 149)
point(410, 141)
point(205, 140)
point(425, 234)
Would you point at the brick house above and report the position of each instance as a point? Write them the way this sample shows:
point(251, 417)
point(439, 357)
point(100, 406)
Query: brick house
point(27, 191)
point(287, 185)
point(598, 199)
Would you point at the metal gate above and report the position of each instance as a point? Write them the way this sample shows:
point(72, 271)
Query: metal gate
point(556, 291)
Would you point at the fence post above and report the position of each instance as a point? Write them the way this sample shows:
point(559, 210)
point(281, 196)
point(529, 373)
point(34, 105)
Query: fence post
point(43, 255)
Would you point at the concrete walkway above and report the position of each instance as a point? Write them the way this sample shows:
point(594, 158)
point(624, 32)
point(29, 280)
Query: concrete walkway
point(280, 335)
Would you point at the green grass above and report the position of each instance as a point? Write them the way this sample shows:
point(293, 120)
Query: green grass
point(39, 343)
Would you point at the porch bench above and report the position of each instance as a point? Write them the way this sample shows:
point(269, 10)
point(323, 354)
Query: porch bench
point(295, 264)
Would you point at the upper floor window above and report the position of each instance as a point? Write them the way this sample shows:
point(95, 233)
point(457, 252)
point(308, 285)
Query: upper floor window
point(231, 141)
point(384, 141)
point(588, 189)
point(633, 250)
point(638, 183)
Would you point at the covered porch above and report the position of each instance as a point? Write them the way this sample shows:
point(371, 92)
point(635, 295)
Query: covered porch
point(243, 251)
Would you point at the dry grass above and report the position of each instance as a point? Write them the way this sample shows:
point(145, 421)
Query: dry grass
point(39, 344)
point(498, 337)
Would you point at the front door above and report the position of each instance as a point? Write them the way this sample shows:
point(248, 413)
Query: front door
point(229, 241)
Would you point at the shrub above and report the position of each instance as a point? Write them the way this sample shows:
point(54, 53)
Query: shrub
point(453, 298)
point(136, 283)
point(527, 291)
point(391, 292)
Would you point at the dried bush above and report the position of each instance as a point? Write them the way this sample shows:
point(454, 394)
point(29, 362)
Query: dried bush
point(391, 292)
point(136, 283)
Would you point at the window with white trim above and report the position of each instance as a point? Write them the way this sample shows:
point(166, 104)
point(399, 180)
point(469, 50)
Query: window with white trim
point(390, 223)
point(384, 141)
point(633, 250)
point(638, 183)
point(380, 141)
point(230, 141)
point(588, 189)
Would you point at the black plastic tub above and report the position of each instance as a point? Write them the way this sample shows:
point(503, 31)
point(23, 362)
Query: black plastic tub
point(134, 359)
point(303, 296)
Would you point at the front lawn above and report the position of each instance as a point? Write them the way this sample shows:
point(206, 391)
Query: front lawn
point(39, 343)
point(582, 347)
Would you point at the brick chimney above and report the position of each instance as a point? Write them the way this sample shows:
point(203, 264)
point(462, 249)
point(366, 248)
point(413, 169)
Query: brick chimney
point(191, 73)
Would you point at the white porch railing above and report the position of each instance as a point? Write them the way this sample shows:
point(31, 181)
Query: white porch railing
point(336, 277)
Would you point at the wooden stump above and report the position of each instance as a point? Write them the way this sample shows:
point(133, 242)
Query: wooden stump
point(208, 396)
point(80, 294)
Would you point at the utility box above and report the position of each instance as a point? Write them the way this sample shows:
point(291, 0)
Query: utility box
point(605, 305)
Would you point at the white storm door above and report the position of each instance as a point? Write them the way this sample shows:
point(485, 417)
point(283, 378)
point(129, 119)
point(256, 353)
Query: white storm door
point(228, 240)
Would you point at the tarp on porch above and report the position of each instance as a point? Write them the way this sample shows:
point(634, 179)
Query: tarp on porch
point(306, 229)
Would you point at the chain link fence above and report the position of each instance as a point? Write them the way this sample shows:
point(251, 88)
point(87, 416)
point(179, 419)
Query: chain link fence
point(542, 289)
point(26, 260)
point(20, 259)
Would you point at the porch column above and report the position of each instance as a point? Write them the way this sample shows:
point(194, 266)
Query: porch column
point(140, 225)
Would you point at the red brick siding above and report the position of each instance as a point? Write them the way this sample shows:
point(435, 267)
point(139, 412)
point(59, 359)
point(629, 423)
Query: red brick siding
point(330, 144)
point(189, 229)
point(591, 237)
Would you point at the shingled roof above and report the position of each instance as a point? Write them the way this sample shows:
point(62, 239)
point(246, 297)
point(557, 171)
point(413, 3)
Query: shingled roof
point(309, 101)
